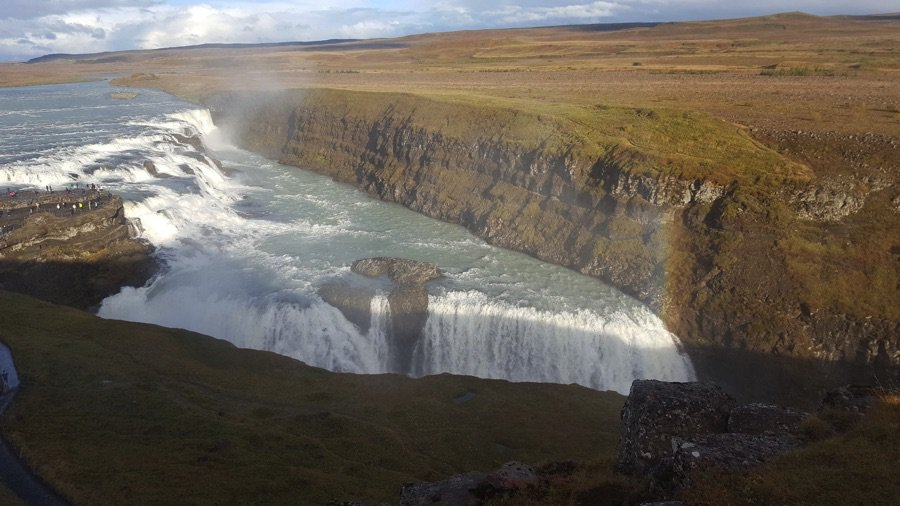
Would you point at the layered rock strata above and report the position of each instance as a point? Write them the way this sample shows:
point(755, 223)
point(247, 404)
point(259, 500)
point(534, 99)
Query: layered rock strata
point(70, 248)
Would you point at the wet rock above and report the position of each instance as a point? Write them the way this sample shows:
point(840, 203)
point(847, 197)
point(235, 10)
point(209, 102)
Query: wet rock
point(408, 301)
point(353, 301)
point(400, 270)
point(761, 418)
point(656, 412)
point(728, 453)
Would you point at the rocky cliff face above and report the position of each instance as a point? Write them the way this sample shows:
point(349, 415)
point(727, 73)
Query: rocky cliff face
point(75, 256)
point(709, 257)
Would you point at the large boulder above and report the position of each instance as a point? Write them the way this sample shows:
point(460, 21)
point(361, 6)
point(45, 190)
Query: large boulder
point(656, 412)
point(459, 490)
point(399, 270)
point(727, 453)
point(760, 418)
point(471, 489)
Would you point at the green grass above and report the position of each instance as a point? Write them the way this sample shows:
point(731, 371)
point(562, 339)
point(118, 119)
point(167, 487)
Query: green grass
point(122, 413)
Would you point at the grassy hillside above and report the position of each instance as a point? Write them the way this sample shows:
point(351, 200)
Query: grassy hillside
point(114, 413)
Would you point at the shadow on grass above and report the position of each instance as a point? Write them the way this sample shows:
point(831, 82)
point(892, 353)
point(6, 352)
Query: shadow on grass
point(763, 377)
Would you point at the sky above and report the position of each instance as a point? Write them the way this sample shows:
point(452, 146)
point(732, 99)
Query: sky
point(30, 28)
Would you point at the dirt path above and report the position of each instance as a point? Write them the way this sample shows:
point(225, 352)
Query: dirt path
point(13, 472)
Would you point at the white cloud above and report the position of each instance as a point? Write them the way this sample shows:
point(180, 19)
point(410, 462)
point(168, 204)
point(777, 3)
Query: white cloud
point(31, 28)
point(588, 12)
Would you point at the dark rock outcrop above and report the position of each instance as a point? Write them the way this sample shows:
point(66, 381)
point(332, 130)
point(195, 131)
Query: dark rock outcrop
point(352, 300)
point(656, 412)
point(672, 430)
point(75, 256)
point(408, 301)
point(851, 399)
point(402, 271)
point(759, 418)
point(471, 489)
point(726, 453)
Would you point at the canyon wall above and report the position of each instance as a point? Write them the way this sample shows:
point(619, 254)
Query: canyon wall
point(713, 257)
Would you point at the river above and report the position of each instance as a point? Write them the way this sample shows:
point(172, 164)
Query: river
point(247, 244)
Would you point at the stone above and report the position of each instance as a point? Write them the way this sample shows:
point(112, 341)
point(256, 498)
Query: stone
point(513, 476)
point(471, 488)
point(760, 418)
point(456, 491)
point(656, 412)
point(850, 398)
point(400, 270)
point(728, 453)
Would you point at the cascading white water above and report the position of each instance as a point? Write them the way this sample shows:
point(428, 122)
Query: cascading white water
point(467, 333)
point(246, 252)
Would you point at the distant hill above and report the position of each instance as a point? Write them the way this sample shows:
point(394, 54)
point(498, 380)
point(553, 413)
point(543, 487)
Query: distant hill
point(114, 56)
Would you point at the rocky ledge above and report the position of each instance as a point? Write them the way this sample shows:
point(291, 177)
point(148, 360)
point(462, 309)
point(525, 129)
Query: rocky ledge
point(72, 247)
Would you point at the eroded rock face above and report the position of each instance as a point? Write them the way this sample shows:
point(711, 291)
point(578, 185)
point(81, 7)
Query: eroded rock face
point(73, 256)
point(657, 411)
point(353, 301)
point(408, 301)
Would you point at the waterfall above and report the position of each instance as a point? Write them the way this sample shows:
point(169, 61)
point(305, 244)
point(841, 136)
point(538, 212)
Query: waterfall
point(467, 333)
